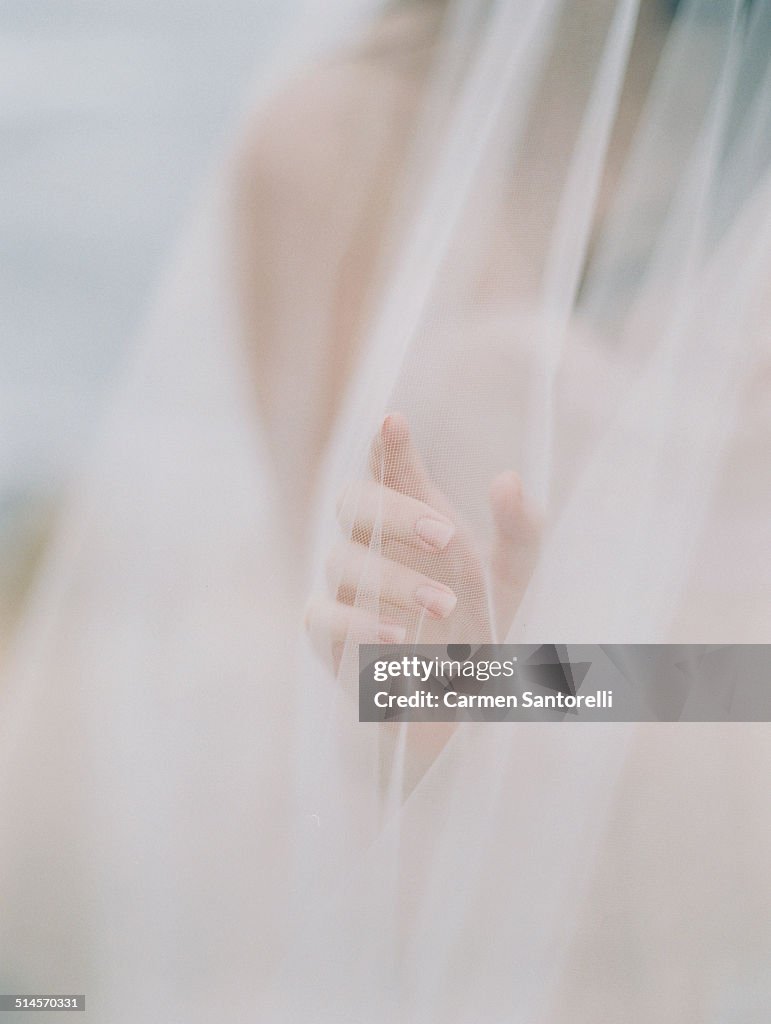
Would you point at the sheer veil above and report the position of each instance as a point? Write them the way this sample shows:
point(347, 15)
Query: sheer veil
point(536, 236)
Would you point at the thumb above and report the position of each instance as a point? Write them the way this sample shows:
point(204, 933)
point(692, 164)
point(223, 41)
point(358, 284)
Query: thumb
point(517, 532)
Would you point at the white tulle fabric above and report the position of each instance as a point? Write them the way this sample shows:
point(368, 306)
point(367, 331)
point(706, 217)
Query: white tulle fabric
point(465, 213)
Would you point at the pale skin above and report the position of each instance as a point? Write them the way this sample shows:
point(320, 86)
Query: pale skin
point(425, 564)
point(424, 567)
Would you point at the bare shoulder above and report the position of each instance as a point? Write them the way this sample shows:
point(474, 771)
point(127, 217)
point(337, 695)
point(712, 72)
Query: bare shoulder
point(340, 114)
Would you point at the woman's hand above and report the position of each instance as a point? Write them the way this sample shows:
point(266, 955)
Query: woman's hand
point(406, 566)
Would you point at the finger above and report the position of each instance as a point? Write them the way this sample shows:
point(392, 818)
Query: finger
point(331, 625)
point(396, 463)
point(357, 574)
point(367, 509)
point(516, 541)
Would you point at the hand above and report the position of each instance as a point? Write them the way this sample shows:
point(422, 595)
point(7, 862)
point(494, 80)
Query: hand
point(407, 568)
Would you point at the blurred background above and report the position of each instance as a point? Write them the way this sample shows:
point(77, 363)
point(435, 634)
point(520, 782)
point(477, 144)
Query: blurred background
point(112, 113)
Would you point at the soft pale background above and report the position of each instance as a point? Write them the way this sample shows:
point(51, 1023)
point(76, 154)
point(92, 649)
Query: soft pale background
point(111, 112)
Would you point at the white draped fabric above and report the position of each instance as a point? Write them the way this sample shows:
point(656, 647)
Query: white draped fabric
point(537, 236)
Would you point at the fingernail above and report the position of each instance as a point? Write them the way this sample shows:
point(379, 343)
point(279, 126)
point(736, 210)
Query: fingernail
point(438, 603)
point(434, 532)
point(394, 427)
point(391, 634)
